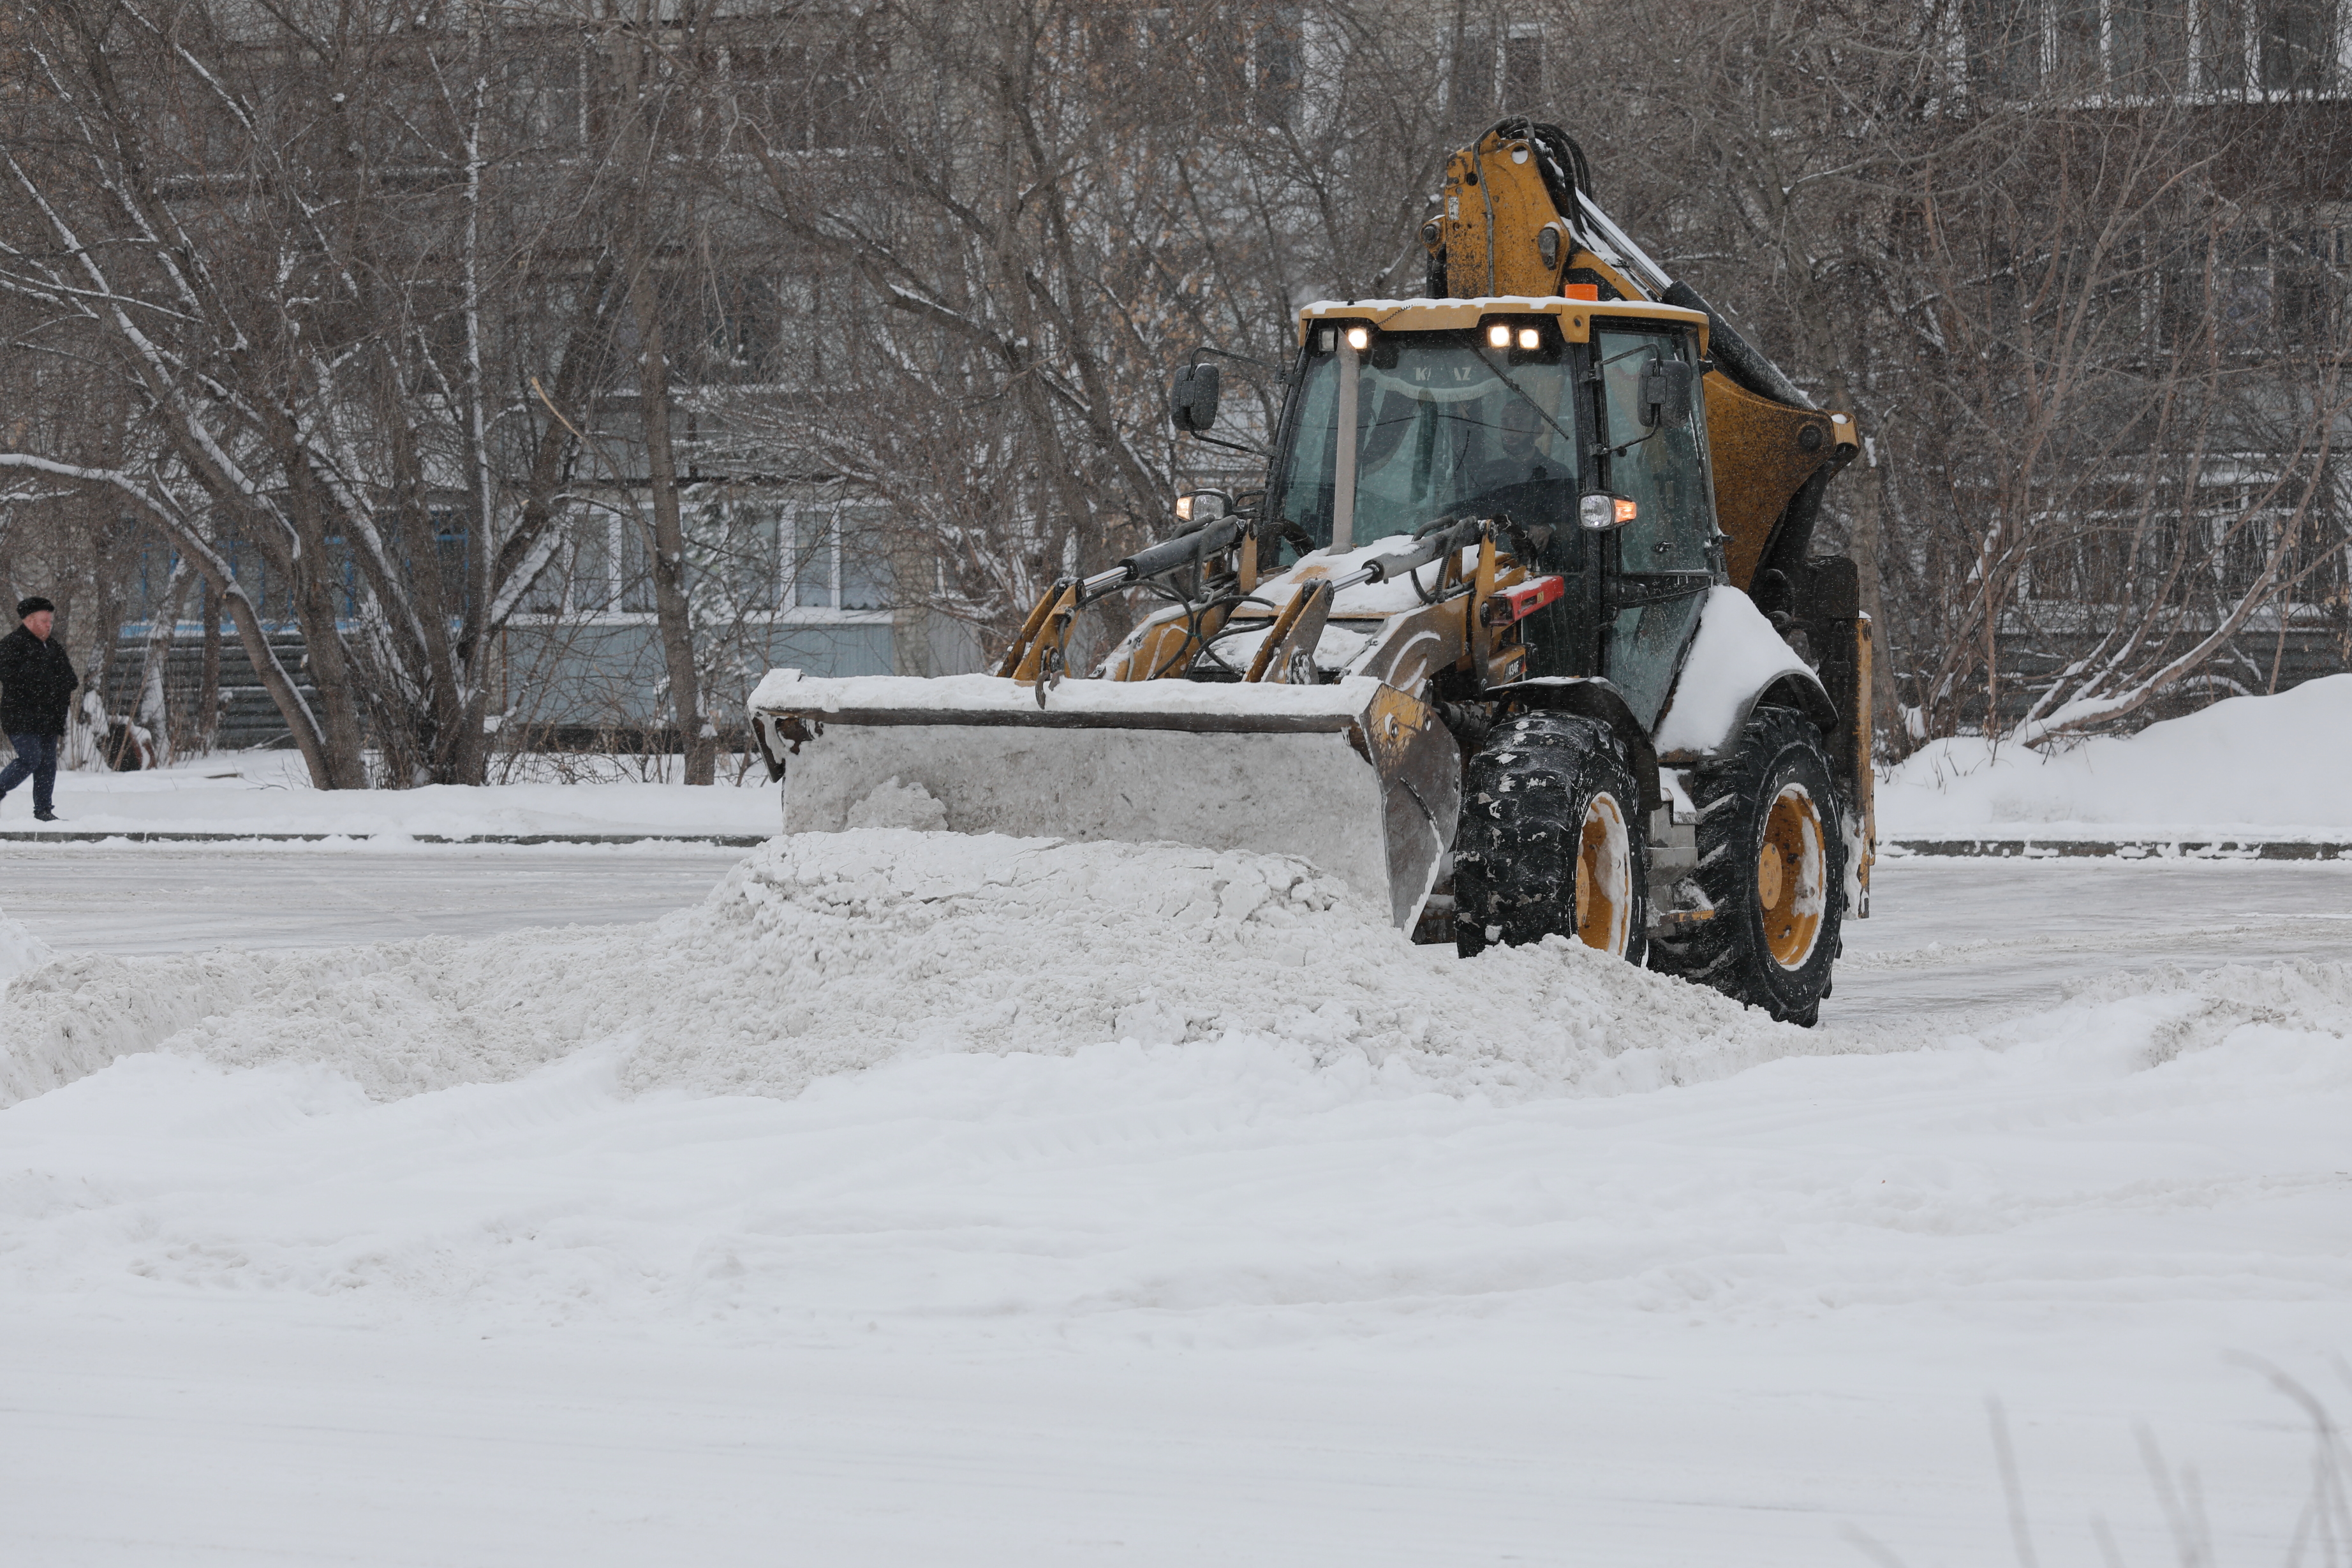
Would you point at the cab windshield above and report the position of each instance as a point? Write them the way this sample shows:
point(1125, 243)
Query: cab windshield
point(1437, 430)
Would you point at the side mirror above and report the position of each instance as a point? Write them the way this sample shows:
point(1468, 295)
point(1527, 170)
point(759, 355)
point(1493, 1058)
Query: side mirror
point(1203, 506)
point(1600, 512)
point(1192, 405)
point(1665, 394)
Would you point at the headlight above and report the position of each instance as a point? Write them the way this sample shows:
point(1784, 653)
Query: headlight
point(1601, 511)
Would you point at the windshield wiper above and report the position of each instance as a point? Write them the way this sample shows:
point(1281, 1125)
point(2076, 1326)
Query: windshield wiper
point(1504, 377)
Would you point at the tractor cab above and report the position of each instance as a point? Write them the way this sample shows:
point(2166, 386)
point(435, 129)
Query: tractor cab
point(1577, 421)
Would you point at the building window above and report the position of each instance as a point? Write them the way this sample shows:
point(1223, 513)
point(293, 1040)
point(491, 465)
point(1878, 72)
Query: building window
point(2016, 47)
point(736, 557)
point(743, 558)
point(839, 558)
point(1276, 65)
point(2148, 44)
point(1495, 71)
point(804, 97)
point(542, 92)
point(2004, 45)
point(2309, 265)
point(1523, 69)
point(2133, 541)
point(812, 549)
point(2297, 42)
point(2074, 26)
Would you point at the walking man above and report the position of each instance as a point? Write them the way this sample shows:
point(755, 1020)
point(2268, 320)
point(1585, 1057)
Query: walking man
point(36, 683)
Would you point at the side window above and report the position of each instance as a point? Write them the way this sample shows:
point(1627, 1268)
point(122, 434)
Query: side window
point(1656, 467)
point(1306, 500)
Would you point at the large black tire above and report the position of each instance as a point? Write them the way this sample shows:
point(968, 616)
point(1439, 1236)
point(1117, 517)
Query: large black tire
point(1777, 925)
point(1553, 841)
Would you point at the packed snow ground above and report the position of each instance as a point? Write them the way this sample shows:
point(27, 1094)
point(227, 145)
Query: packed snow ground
point(920, 1199)
point(2252, 767)
point(269, 792)
point(144, 897)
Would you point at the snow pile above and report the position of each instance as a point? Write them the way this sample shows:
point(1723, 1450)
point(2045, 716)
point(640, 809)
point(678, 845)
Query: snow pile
point(2132, 1155)
point(2179, 1012)
point(2259, 766)
point(823, 952)
point(20, 950)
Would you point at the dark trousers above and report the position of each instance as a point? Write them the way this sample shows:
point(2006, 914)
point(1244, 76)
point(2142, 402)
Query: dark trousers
point(36, 759)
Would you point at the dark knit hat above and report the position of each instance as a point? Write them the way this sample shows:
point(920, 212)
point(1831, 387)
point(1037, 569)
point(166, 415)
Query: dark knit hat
point(33, 607)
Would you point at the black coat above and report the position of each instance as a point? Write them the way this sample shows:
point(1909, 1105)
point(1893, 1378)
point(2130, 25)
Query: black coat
point(36, 683)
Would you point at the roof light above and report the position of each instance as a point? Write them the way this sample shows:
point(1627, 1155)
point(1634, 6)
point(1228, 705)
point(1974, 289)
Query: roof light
point(1359, 337)
point(1530, 338)
point(1499, 336)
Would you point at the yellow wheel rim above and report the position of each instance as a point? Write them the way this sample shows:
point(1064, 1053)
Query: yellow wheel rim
point(1604, 882)
point(1792, 877)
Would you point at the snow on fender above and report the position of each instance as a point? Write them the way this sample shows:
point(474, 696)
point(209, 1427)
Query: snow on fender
point(1734, 657)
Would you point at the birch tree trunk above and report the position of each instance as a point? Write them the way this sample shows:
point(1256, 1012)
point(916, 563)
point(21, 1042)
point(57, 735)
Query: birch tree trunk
point(151, 711)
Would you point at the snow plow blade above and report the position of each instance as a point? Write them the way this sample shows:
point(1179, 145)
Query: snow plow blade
point(1357, 777)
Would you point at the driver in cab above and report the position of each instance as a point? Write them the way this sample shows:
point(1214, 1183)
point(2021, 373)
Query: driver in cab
point(1516, 451)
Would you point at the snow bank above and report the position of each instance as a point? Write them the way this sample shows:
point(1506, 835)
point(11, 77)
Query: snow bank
point(2259, 766)
point(823, 952)
point(268, 791)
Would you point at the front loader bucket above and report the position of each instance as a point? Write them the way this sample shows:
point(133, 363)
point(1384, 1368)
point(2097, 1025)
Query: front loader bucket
point(1357, 777)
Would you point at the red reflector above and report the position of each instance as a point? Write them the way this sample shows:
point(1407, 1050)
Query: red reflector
point(1509, 605)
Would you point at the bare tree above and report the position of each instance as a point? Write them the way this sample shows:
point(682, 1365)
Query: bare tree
point(288, 273)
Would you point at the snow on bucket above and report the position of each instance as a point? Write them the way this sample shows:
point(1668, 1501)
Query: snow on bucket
point(1357, 777)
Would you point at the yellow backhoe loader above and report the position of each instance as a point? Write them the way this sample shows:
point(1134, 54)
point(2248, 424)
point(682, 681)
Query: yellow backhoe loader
point(1523, 636)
